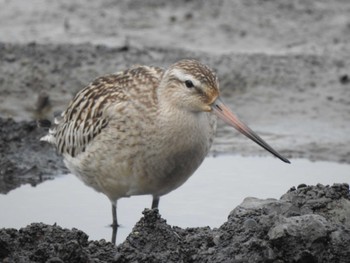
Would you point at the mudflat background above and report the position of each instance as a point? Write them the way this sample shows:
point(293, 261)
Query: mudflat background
point(283, 66)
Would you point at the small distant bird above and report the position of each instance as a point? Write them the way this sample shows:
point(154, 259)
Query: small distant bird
point(143, 131)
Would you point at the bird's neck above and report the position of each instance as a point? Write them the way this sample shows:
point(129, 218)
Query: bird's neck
point(178, 122)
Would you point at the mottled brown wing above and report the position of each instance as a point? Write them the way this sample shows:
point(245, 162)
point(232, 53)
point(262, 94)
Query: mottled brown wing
point(86, 115)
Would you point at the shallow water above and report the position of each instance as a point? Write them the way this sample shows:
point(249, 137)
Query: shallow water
point(217, 187)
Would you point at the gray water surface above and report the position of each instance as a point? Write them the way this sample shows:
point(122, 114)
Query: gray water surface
point(206, 199)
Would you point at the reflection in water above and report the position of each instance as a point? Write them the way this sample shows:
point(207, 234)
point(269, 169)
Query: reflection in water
point(114, 233)
point(217, 187)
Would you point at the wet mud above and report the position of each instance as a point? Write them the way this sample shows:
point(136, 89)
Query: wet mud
point(23, 159)
point(307, 224)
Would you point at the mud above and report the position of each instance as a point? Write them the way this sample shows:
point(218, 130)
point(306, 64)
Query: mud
point(283, 66)
point(308, 224)
point(22, 158)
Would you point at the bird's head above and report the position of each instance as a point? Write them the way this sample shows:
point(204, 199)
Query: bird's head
point(192, 86)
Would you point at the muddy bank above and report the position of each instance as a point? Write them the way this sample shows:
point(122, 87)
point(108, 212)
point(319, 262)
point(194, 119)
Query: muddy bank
point(23, 159)
point(223, 26)
point(307, 224)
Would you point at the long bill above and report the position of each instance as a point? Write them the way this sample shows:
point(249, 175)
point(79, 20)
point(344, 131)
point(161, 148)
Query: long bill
point(224, 113)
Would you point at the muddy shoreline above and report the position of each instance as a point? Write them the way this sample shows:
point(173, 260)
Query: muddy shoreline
point(283, 66)
point(308, 224)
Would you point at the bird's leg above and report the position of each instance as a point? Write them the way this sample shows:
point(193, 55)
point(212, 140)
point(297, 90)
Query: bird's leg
point(114, 234)
point(114, 214)
point(155, 202)
point(115, 222)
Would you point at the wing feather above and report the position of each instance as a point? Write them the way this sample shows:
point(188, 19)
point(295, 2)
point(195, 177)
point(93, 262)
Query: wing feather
point(87, 114)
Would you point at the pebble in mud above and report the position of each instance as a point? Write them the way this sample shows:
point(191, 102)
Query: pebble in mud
point(344, 79)
point(250, 224)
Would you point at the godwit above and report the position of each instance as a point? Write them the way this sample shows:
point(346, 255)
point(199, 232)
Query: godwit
point(143, 131)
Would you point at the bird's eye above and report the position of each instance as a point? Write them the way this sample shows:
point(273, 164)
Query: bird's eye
point(189, 84)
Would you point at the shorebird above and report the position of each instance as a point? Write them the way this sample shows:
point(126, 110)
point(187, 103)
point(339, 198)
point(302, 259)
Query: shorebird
point(143, 131)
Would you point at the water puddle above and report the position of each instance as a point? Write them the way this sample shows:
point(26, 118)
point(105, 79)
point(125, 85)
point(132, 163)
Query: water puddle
point(217, 187)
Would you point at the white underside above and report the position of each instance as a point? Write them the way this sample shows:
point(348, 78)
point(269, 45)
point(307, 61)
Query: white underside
point(156, 165)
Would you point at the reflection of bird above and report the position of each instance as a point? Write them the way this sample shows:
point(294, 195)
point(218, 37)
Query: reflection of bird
point(144, 130)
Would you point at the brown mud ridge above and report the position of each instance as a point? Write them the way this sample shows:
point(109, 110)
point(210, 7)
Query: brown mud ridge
point(308, 224)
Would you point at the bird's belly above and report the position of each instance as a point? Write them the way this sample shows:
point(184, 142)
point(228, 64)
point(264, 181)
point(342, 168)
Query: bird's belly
point(161, 175)
point(103, 172)
point(169, 162)
point(138, 175)
point(149, 166)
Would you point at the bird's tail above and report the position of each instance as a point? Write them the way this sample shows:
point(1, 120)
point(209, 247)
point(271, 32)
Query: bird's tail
point(51, 128)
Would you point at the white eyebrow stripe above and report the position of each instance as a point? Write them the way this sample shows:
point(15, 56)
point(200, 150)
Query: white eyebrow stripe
point(183, 77)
